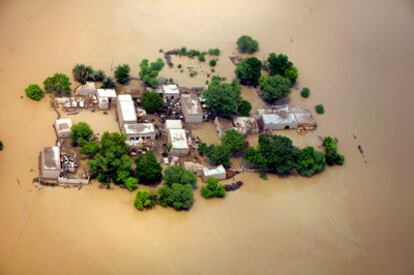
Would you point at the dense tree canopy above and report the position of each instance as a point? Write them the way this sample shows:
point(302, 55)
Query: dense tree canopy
point(122, 73)
point(310, 162)
point(279, 64)
point(148, 169)
point(248, 71)
point(83, 73)
point(245, 108)
point(80, 133)
point(213, 189)
point(144, 199)
point(246, 44)
point(274, 87)
point(233, 140)
point(108, 83)
point(223, 99)
point(152, 102)
point(34, 92)
point(180, 175)
point(149, 72)
point(58, 84)
point(177, 196)
point(332, 155)
point(89, 148)
point(99, 75)
point(218, 154)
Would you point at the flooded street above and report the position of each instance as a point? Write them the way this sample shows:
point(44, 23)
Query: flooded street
point(357, 57)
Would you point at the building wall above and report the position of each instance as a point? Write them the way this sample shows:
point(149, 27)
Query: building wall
point(150, 136)
point(193, 118)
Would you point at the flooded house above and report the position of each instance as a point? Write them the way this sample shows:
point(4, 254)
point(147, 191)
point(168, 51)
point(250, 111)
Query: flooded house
point(173, 124)
point(89, 88)
point(222, 125)
point(304, 118)
point(125, 110)
point(50, 165)
point(170, 92)
point(63, 127)
point(178, 140)
point(277, 118)
point(106, 97)
point(217, 172)
point(139, 131)
point(191, 108)
point(246, 125)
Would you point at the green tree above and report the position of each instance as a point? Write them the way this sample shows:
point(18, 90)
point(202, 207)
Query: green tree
point(248, 71)
point(223, 99)
point(201, 57)
point(213, 189)
point(177, 196)
point(218, 154)
point(320, 109)
point(89, 148)
point(233, 140)
point(148, 169)
point(108, 83)
point(214, 51)
point(149, 72)
point(202, 149)
point(131, 183)
point(152, 102)
point(331, 151)
point(305, 92)
point(310, 162)
point(245, 108)
point(144, 199)
point(292, 74)
point(274, 87)
point(122, 73)
point(180, 175)
point(58, 84)
point(83, 73)
point(80, 133)
point(99, 75)
point(246, 44)
point(34, 92)
point(213, 62)
point(279, 64)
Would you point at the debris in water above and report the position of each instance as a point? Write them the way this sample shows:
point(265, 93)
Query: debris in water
point(233, 186)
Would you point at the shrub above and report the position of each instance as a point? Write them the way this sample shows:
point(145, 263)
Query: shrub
point(320, 109)
point(201, 58)
point(177, 196)
point(202, 149)
point(122, 73)
point(89, 148)
point(148, 169)
point(245, 108)
point(274, 87)
point(131, 183)
point(310, 162)
point(82, 73)
point(331, 151)
point(108, 83)
point(144, 199)
point(180, 175)
point(213, 62)
point(34, 92)
point(99, 75)
point(305, 92)
point(149, 72)
point(214, 51)
point(152, 102)
point(247, 44)
point(279, 64)
point(233, 140)
point(213, 189)
point(179, 66)
point(193, 73)
point(80, 133)
point(248, 71)
point(58, 84)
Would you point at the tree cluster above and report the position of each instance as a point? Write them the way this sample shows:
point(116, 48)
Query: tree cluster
point(149, 72)
point(80, 133)
point(58, 84)
point(331, 151)
point(148, 169)
point(248, 71)
point(152, 102)
point(34, 92)
point(246, 44)
point(274, 87)
point(213, 189)
point(121, 73)
point(144, 199)
point(279, 64)
point(180, 175)
point(178, 196)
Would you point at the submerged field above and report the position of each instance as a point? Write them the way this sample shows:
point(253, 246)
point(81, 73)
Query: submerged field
point(356, 56)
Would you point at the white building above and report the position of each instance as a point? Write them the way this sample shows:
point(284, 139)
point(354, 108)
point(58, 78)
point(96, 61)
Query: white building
point(106, 97)
point(170, 91)
point(50, 163)
point(173, 124)
point(125, 110)
point(215, 172)
point(63, 127)
point(191, 108)
point(277, 118)
point(139, 131)
point(89, 88)
point(178, 140)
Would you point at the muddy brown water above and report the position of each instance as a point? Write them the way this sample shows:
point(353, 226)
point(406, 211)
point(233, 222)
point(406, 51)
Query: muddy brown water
point(357, 58)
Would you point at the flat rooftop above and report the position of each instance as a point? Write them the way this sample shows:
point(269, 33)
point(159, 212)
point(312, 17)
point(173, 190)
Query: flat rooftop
point(106, 93)
point(170, 89)
point(210, 172)
point(63, 123)
point(173, 124)
point(278, 118)
point(178, 138)
point(139, 128)
point(127, 108)
point(191, 104)
point(51, 158)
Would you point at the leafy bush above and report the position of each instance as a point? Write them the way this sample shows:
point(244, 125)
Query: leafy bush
point(58, 84)
point(279, 64)
point(310, 162)
point(218, 154)
point(148, 169)
point(144, 199)
point(213, 189)
point(320, 109)
point(213, 62)
point(80, 133)
point(193, 73)
point(331, 151)
point(214, 51)
point(245, 108)
point(89, 148)
point(247, 44)
point(149, 72)
point(274, 87)
point(248, 71)
point(83, 73)
point(201, 58)
point(131, 183)
point(305, 92)
point(122, 73)
point(223, 99)
point(177, 196)
point(202, 149)
point(108, 83)
point(233, 140)
point(152, 102)
point(34, 92)
point(180, 175)
point(99, 75)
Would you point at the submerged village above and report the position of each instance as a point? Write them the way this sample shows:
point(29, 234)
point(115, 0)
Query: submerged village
point(156, 144)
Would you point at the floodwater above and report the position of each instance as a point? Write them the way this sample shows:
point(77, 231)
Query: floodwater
point(356, 56)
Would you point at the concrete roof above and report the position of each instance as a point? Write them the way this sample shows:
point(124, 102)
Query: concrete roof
point(106, 93)
point(127, 108)
point(173, 124)
point(178, 138)
point(170, 89)
point(210, 172)
point(51, 158)
point(278, 119)
point(191, 104)
point(63, 123)
point(139, 128)
point(126, 97)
